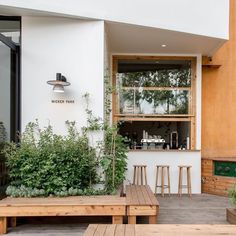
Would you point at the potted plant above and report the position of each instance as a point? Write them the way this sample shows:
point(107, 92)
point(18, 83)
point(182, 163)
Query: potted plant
point(231, 212)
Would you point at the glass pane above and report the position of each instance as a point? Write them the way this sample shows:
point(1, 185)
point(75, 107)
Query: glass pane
point(146, 101)
point(156, 134)
point(11, 29)
point(5, 76)
point(161, 78)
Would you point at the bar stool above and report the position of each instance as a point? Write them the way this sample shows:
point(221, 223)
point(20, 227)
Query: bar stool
point(140, 173)
point(162, 185)
point(188, 186)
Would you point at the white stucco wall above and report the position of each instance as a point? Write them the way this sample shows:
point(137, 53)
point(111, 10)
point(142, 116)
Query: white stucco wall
point(171, 158)
point(203, 17)
point(5, 77)
point(74, 48)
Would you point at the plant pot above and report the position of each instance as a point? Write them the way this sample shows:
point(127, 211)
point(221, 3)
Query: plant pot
point(231, 215)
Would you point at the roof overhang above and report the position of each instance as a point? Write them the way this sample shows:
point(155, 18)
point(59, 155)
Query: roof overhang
point(126, 38)
point(199, 30)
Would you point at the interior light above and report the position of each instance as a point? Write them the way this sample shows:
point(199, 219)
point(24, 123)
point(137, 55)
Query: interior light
point(163, 45)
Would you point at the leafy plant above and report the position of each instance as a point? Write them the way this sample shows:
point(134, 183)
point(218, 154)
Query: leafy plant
point(112, 151)
point(3, 138)
point(232, 194)
point(49, 164)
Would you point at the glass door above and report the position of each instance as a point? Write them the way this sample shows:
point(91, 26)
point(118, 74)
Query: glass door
point(9, 88)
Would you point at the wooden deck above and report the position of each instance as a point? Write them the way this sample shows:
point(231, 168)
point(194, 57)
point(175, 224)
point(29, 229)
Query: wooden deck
point(71, 206)
point(141, 201)
point(165, 230)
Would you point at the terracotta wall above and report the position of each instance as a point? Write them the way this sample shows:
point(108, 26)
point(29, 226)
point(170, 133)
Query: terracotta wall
point(219, 99)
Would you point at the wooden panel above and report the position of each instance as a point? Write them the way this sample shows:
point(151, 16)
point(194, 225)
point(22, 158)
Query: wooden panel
point(163, 229)
point(218, 99)
point(3, 225)
point(231, 215)
point(213, 184)
point(141, 210)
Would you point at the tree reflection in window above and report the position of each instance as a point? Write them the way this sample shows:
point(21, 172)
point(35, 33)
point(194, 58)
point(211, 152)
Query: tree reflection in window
point(155, 92)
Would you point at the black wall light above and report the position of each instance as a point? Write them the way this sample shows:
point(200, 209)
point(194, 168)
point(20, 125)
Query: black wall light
point(59, 83)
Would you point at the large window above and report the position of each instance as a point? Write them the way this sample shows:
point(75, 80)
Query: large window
point(155, 89)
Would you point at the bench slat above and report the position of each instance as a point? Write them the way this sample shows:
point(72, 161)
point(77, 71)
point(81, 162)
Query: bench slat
point(168, 230)
point(138, 190)
point(78, 210)
point(133, 197)
point(110, 230)
point(91, 230)
point(67, 201)
point(147, 198)
point(152, 196)
point(140, 195)
point(100, 231)
point(129, 230)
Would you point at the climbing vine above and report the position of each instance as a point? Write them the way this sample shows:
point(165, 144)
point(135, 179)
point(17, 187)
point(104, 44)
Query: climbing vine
point(112, 151)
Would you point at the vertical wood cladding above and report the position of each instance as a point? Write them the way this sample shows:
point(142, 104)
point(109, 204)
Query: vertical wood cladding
point(219, 99)
point(219, 112)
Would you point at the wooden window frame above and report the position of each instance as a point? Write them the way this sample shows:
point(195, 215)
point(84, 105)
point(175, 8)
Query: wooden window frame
point(191, 117)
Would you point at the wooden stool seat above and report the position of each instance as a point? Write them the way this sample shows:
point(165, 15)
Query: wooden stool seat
point(140, 175)
point(188, 185)
point(162, 185)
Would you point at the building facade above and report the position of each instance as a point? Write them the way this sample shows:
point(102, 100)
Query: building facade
point(171, 62)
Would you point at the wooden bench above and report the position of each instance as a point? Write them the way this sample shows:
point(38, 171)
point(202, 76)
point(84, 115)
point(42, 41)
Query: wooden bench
point(165, 229)
point(141, 201)
point(114, 206)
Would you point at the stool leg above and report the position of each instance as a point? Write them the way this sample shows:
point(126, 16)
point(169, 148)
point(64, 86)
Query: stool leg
point(189, 182)
point(142, 175)
point(180, 182)
point(157, 172)
point(138, 175)
point(168, 172)
point(134, 176)
point(162, 182)
point(145, 171)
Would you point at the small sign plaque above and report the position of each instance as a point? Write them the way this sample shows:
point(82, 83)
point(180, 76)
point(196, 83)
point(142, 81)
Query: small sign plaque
point(60, 101)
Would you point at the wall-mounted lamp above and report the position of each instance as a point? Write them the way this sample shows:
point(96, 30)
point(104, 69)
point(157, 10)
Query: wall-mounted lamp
point(59, 83)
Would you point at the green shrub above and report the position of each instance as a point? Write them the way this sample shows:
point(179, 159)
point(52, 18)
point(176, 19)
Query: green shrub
point(48, 164)
point(233, 194)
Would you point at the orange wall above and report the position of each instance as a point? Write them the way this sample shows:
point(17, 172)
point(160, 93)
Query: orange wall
point(219, 99)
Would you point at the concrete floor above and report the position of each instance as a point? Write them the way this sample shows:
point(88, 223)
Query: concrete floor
point(200, 209)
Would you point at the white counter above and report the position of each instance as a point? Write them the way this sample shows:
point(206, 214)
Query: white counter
point(173, 158)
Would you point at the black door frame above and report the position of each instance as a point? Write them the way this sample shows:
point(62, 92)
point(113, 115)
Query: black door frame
point(15, 96)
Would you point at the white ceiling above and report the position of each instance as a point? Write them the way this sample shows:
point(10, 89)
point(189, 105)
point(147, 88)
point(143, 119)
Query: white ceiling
point(125, 38)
